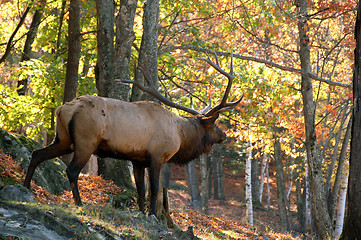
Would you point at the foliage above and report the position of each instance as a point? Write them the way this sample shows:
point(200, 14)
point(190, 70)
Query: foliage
point(30, 114)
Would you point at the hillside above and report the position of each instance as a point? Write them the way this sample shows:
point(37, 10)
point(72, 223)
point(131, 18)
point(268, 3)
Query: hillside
point(99, 217)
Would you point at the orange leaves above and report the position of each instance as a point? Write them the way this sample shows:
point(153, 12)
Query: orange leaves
point(10, 168)
point(93, 189)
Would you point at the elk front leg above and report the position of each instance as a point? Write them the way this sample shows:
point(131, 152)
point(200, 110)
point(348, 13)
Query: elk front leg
point(139, 182)
point(154, 171)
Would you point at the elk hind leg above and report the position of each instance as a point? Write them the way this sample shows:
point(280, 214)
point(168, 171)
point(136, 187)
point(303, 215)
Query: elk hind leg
point(55, 149)
point(73, 171)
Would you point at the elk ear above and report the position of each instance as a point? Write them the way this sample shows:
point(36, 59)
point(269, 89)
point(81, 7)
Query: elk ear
point(207, 121)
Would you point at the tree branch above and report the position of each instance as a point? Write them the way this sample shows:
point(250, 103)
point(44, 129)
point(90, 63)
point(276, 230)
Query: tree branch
point(9, 44)
point(254, 59)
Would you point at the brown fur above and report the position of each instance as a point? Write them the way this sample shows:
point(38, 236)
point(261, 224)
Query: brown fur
point(143, 132)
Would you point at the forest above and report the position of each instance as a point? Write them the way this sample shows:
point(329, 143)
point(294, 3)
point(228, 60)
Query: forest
point(291, 62)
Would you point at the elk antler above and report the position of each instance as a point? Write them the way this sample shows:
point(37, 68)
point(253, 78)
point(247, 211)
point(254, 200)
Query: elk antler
point(152, 90)
point(223, 105)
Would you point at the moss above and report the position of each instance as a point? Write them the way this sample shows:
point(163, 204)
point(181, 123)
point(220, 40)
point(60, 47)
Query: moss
point(49, 174)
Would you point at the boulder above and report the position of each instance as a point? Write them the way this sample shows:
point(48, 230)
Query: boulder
point(17, 193)
point(49, 174)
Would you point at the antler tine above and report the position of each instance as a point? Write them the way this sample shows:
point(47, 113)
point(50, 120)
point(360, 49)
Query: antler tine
point(206, 109)
point(223, 105)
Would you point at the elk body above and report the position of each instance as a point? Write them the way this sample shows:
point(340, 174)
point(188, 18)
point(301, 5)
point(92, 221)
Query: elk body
point(143, 132)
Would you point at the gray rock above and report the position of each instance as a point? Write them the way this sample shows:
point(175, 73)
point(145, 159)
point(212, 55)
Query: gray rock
point(17, 193)
point(49, 174)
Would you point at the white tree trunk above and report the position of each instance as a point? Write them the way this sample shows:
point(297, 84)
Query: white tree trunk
point(249, 185)
point(261, 181)
point(340, 215)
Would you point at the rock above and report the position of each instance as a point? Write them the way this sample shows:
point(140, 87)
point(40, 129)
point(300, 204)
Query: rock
point(17, 193)
point(49, 174)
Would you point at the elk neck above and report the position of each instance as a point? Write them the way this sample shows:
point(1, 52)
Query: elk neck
point(195, 140)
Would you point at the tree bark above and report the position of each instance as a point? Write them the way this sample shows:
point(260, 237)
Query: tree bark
point(205, 174)
point(30, 37)
point(218, 182)
point(352, 229)
point(248, 176)
point(148, 53)
point(125, 37)
point(318, 195)
point(264, 162)
point(105, 41)
point(340, 216)
point(340, 171)
point(72, 66)
point(255, 181)
point(193, 183)
point(300, 206)
point(281, 189)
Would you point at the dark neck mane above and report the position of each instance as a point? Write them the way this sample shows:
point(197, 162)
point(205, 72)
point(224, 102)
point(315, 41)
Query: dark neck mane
point(194, 141)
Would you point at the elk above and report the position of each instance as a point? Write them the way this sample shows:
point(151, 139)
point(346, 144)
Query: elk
point(143, 132)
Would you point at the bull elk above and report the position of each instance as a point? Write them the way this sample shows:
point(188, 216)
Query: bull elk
point(143, 132)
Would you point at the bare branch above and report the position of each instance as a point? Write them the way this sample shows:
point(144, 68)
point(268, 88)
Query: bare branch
point(254, 59)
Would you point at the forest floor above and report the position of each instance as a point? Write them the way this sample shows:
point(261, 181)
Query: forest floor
point(226, 219)
point(233, 208)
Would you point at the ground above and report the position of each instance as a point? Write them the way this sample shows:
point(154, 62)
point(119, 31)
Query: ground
point(233, 208)
point(226, 219)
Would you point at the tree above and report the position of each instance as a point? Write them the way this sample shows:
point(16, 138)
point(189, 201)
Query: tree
point(113, 169)
point(281, 189)
point(30, 37)
point(217, 171)
point(193, 183)
point(72, 67)
point(205, 175)
point(352, 229)
point(318, 196)
point(249, 184)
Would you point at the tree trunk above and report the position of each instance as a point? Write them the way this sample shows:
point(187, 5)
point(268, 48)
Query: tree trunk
point(148, 53)
point(281, 190)
point(193, 183)
point(248, 176)
point(72, 66)
point(255, 181)
point(268, 187)
point(318, 195)
point(112, 169)
point(335, 151)
point(352, 229)
point(218, 183)
point(308, 204)
point(263, 175)
point(30, 37)
point(340, 216)
point(205, 175)
point(9, 44)
point(300, 206)
point(340, 171)
point(105, 41)
point(125, 37)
